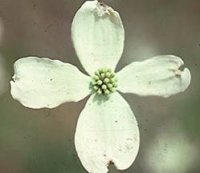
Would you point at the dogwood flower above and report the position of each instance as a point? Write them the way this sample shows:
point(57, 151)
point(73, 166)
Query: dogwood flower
point(107, 130)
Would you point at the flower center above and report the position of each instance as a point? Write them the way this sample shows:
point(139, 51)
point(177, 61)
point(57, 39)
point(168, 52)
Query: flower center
point(104, 81)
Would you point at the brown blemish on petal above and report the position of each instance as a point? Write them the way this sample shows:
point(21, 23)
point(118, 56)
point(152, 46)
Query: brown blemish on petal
point(110, 162)
point(103, 9)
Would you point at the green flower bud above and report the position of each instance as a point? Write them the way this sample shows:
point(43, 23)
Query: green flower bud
point(106, 80)
point(95, 77)
point(104, 87)
point(99, 82)
point(107, 92)
point(99, 91)
point(95, 87)
point(103, 75)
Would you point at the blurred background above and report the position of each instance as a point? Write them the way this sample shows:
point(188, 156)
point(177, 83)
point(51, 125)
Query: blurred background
point(41, 141)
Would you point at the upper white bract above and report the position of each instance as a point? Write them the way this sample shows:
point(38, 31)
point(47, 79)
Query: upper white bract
point(98, 36)
point(107, 131)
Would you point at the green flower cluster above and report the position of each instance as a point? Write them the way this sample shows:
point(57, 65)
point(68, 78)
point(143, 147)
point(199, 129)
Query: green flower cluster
point(104, 81)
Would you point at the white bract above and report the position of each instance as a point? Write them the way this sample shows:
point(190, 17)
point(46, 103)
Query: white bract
point(107, 131)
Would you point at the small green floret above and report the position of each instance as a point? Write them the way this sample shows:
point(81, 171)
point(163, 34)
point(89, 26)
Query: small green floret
point(104, 81)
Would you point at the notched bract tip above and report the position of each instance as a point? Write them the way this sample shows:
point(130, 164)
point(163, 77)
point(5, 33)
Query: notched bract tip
point(14, 78)
point(179, 69)
point(102, 9)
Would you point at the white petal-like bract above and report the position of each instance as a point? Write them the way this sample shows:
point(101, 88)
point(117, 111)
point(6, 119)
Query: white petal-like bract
point(98, 36)
point(41, 82)
point(107, 132)
point(158, 76)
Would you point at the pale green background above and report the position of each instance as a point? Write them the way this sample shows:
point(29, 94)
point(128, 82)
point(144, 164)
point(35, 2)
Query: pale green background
point(41, 141)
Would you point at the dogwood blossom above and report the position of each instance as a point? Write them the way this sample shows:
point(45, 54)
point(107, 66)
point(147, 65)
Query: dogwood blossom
point(107, 130)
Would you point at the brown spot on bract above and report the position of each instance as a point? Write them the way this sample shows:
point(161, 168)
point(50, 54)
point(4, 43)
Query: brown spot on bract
point(110, 162)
